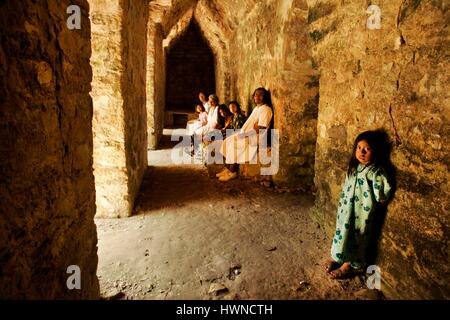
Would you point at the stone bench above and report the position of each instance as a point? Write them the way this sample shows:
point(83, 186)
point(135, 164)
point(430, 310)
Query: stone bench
point(169, 116)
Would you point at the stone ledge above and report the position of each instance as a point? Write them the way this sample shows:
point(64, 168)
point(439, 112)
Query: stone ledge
point(169, 116)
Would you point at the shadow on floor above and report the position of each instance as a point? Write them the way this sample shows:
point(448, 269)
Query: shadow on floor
point(170, 186)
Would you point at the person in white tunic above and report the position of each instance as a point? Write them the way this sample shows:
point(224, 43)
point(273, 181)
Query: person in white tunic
point(204, 101)
point(242, 147)
point(213, 118)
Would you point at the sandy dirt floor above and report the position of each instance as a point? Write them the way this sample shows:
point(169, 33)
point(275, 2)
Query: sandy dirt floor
point(193, 237)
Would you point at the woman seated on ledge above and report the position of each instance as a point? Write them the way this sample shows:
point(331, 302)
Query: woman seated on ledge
point(238, 147)
point(225, 119)
point(238, 116)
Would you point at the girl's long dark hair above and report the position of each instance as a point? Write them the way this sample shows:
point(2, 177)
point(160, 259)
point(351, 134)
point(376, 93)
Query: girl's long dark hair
point(378, 140)
point(201, 105)
point(227, 114)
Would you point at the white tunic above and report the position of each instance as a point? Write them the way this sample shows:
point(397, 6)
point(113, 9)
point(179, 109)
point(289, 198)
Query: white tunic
point(213, 118)
point(240, 148)
point(207, 106)
point(261, 115)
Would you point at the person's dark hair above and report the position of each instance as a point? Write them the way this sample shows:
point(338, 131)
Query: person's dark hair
point(201, 105)
point(225, 109)
point(267, 99)
point(378, 140)
point(227, 112)
point(238, 106)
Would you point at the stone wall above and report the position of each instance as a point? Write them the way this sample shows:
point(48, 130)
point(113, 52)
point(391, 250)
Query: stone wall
point(270, 49)
point(265, 43)
point(119, 31)
point(134, 52)
point(156, 84)
point(391, 78)
point(47, 187)
point(214, 25)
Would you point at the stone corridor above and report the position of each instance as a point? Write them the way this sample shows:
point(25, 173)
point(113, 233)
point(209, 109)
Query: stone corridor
point(90, 88)
point(204, 239)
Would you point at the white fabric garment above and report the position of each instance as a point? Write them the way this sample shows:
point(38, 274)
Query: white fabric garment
point(261, 115)
point(213, 118)
point(239, 148)
point(207, 106)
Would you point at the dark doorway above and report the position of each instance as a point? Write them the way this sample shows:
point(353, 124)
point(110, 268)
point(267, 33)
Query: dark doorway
point(190, 69)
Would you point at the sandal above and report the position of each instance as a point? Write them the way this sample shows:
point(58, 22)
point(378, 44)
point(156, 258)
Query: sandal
point(341, 273)
point(331, 265)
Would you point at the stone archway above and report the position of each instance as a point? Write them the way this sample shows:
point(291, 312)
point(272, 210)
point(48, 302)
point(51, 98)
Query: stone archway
point(189, 69)
point(167, 22)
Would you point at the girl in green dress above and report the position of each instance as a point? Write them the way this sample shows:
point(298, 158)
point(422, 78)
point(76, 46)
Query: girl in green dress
point(238, 116)
point(366, 187)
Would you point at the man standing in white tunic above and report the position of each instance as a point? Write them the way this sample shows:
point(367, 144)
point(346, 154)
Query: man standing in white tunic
point(243, 146)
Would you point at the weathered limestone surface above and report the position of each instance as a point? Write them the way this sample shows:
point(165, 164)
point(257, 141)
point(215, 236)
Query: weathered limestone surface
point(395, 78)
point(216, 30)
point(273, 53)
point(47, 187)
point(252, 51)
point(134, 89)
point(119, 45)
point(156, 81)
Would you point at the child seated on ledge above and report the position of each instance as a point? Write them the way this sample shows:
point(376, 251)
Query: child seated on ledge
point(193, 125)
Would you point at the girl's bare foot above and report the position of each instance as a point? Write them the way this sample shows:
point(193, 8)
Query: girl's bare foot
point(344, 272)
point(331, 265)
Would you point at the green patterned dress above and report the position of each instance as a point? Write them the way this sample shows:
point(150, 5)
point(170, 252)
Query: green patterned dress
point(363, 189)
point(238, 121)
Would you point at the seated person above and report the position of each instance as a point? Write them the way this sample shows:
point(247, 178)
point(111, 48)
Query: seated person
point(193, 125)
point(240, 147)
point(238, 116)
point(202, 115)
point(205, 132)
point(203, 101)
point(225, 119)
